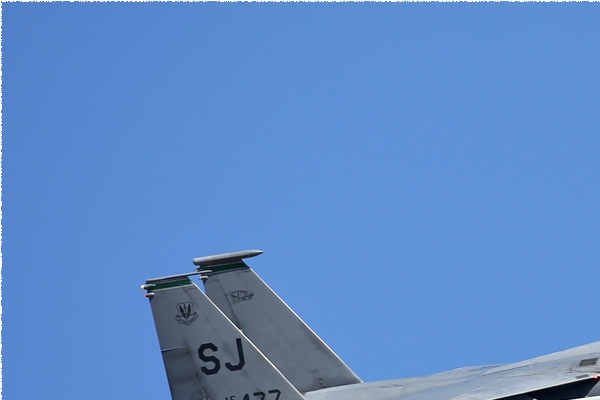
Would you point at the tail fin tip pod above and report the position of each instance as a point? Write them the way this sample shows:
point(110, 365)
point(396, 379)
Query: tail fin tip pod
point(225, 259)
point(205, 355)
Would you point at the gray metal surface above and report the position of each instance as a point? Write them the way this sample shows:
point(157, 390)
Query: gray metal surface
point(547, 374)
point(303, 358)
point(205, 355)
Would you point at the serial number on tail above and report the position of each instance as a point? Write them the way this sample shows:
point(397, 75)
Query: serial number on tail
point(272, 394)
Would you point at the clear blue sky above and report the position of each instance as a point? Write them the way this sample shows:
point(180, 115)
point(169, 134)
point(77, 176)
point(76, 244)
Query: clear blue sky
point(424, 179)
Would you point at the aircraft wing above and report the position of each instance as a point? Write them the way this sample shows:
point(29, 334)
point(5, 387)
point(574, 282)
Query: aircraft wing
point(569, 374)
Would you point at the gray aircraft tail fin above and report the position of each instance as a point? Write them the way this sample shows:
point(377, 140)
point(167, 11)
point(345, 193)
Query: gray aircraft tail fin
point(303, 358)
point(205, 354)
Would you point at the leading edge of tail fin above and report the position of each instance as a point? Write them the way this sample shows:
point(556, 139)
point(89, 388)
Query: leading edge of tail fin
point(205, 354)
point(303, 358)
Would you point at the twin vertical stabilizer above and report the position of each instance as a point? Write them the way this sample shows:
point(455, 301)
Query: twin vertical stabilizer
point(206, 355)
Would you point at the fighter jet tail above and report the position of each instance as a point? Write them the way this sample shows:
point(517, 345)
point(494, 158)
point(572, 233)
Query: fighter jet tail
point(205, 354)
point(303, 358)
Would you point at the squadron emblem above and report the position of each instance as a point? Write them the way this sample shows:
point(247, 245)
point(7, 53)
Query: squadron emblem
point(240, 295)
point(185, 313)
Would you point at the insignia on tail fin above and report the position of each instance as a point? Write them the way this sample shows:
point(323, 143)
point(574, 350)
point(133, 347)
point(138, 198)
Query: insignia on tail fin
point(186, 314)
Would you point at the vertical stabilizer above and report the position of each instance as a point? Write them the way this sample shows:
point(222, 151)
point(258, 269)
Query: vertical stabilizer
point(205, 354)
point(303, 358)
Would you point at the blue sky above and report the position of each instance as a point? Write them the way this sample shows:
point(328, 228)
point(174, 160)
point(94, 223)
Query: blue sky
point(423, 179)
